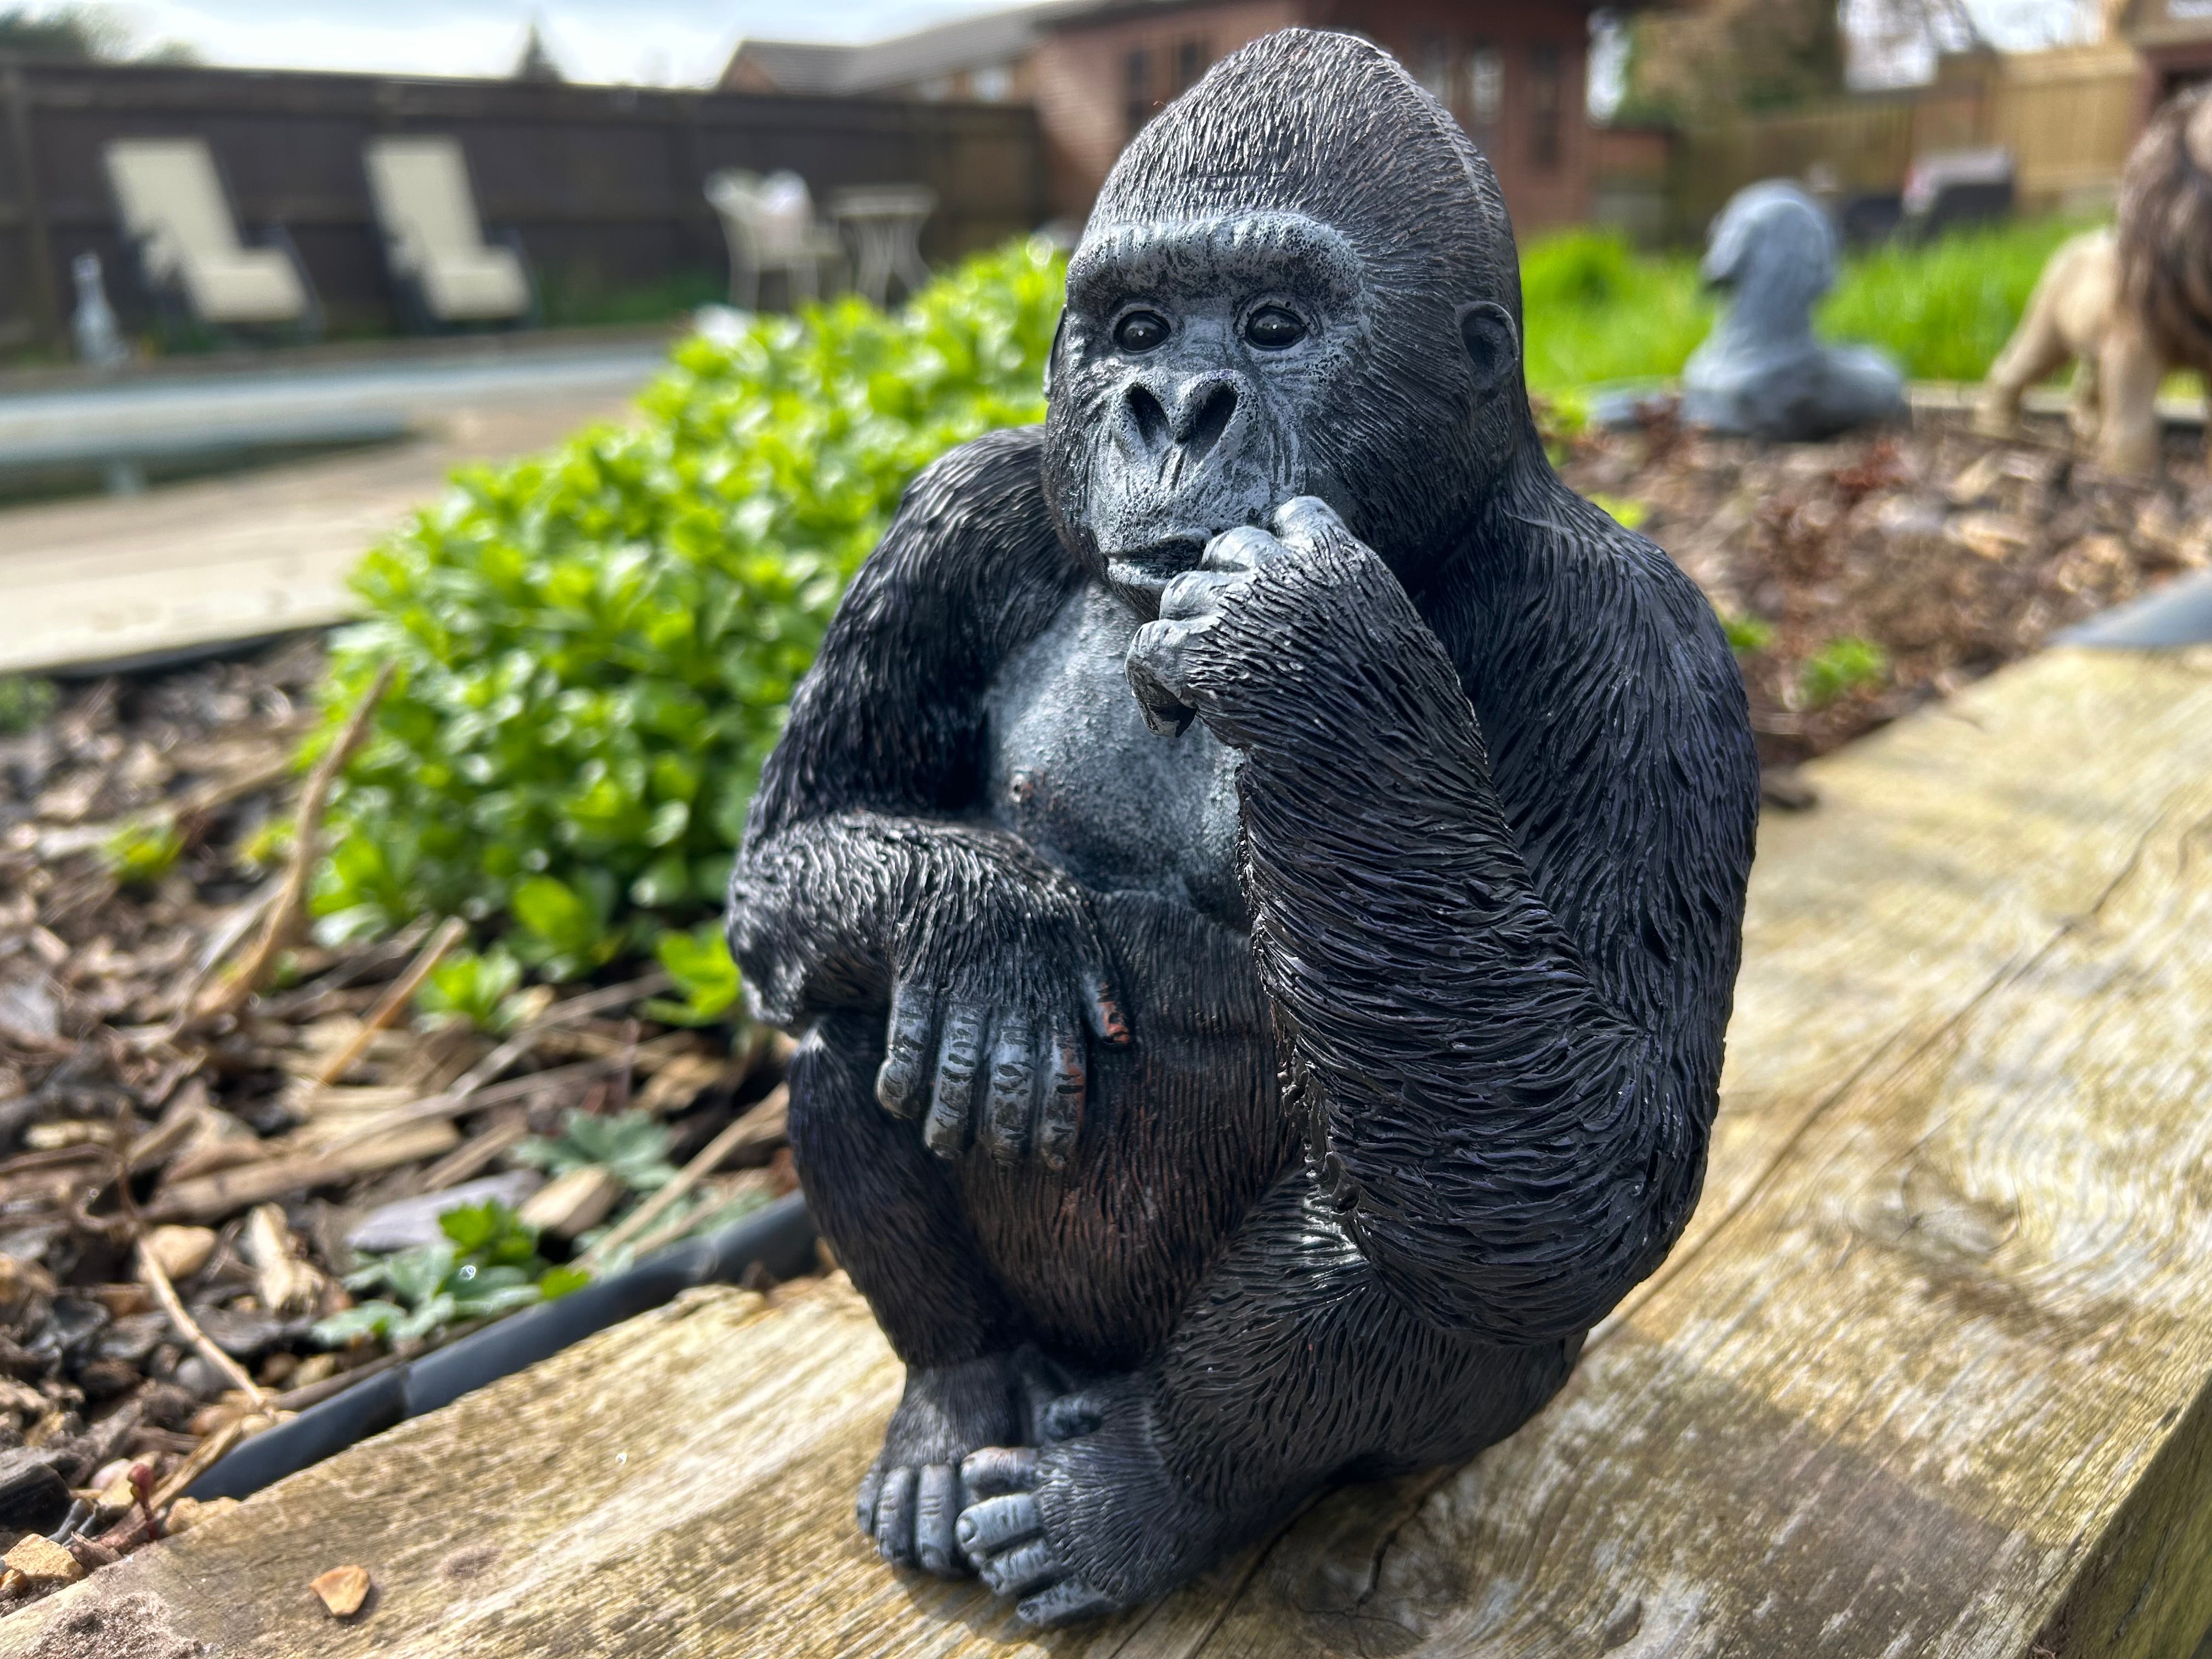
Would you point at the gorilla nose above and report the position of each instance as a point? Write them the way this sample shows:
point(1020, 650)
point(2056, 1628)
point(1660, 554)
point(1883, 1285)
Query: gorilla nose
point(1203, 409)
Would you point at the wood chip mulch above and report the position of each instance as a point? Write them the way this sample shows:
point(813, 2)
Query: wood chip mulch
point(159, 1146)
point(1952, 553)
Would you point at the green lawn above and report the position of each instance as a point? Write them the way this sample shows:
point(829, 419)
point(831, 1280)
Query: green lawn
point(1598, 311)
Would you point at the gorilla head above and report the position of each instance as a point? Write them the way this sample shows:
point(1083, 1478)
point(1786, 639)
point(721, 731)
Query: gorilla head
point(1280, 294)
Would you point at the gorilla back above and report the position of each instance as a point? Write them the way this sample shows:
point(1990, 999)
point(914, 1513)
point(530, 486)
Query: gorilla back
point(1257, 869)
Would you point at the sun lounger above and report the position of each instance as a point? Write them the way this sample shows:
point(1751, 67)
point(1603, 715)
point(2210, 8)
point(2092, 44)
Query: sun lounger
point(173, 208)
point(771, 227)
point(434, 240)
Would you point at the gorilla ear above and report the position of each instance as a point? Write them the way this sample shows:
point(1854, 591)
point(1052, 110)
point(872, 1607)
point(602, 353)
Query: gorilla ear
point(1052, 357)
point(1492, 344)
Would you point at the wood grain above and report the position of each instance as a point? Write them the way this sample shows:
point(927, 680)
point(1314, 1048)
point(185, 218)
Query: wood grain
point(1929, 1377)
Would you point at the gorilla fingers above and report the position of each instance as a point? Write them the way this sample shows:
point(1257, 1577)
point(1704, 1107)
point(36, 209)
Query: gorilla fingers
point(1004, 1068)
point(1177, 663)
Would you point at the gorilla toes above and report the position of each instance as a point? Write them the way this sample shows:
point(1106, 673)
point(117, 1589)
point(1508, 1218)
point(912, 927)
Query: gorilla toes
point(1003, 1534)
point(911, 1513)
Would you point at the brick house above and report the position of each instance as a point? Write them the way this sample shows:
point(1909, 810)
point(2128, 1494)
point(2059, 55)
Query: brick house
point(1512, 71)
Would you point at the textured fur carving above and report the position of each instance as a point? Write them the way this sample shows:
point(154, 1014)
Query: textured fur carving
point(1267, 1078)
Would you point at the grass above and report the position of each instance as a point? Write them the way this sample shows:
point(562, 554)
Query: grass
point(1599, 311)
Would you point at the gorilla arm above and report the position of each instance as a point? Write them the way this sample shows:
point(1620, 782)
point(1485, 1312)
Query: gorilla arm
point(860, 887)
point(1508, 1144)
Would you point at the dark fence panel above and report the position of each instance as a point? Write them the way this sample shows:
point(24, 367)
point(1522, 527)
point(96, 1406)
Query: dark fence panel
point(602, 183)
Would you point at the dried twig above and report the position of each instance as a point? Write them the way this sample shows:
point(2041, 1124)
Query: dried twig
point(284, 912)
point(767, 1117)
point(393, 1000)
point(455, 1102)
point(150, 1274)
point(561, 1013)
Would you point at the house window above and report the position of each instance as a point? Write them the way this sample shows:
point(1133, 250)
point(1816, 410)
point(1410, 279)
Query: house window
point(1189, 63)
point(1485, 89)
point(992, 83)
point(1546, 105)
point(1137, 89)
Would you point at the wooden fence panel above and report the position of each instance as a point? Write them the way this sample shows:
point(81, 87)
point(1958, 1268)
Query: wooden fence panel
point(602, 183)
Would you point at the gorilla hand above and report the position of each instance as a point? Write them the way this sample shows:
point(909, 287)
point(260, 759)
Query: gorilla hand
point(1179, 665)
point(986, 1042)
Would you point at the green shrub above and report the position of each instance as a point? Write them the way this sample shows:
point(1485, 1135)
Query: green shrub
point(596, 645)
point(1945, 310)
point(1598, 311)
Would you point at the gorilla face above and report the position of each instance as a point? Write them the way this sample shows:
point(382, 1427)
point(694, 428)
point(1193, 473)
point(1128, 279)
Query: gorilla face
point(1193, 359)
point(1299, 280)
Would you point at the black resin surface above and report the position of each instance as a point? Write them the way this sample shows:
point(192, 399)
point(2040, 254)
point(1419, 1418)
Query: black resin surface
point(1257, 871)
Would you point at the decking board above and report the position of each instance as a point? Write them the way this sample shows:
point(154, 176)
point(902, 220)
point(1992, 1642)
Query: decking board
point(1930, 1374)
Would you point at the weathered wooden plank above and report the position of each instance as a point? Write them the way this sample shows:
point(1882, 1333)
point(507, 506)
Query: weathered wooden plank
point(1930, 1376)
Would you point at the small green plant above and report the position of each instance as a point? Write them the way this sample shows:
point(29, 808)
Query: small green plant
point(1843, 664)
point(630, 1146)
point(486, 1265)
point(473, 989)
point(268, 844)
point(143, 851)
point(1629, 515)
point(699, 962)
point(25, 701)
point(1748, 635)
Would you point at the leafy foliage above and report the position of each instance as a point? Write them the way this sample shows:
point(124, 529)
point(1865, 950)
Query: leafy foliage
point(699, 962)
point(630, 1146)
point(1748, 635)
point(1843, 664)
point(1944, 309)
point(596, 646)
point(141, 853)
point(25, 701)
point(486, 1265)
point(1598, 311)
point(474, 989)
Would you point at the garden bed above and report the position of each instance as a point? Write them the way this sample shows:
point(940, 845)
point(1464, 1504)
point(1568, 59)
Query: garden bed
point(1860, 579)
point(270, 1147)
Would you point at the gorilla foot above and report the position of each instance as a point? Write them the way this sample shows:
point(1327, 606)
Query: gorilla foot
point(910, 1501)
point(1090, 1523)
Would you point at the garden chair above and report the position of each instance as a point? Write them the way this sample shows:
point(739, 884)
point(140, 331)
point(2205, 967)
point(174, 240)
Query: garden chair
point(770, 227)
point(434, 241)
point(174, 210)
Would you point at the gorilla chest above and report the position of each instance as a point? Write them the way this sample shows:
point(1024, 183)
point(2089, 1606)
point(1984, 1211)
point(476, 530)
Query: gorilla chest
point(1074, 771)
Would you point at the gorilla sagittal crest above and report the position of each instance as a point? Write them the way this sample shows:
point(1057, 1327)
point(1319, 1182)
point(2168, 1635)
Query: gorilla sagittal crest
point(1256, 871)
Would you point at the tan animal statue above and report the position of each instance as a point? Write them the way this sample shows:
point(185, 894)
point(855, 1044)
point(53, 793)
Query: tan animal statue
point(2125, 305)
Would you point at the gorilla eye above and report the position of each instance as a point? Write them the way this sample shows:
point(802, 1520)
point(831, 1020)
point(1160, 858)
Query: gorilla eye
point(1272, 328)
point(1141, 330)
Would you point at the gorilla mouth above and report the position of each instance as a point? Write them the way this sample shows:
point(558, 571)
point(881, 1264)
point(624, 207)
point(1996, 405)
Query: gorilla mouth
point(1151, 568)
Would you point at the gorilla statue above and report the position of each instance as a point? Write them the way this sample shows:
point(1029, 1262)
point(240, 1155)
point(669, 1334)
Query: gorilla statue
point(1256, 871)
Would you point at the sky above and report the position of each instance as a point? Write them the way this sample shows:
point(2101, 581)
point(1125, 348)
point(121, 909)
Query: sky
point(657, 42)
point(672, 42)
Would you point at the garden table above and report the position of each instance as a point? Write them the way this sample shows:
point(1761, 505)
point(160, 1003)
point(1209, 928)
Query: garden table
point(1930, 1373)
point(885, 221)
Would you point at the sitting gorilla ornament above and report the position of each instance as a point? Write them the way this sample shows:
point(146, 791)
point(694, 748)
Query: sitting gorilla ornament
point(1257, 869)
